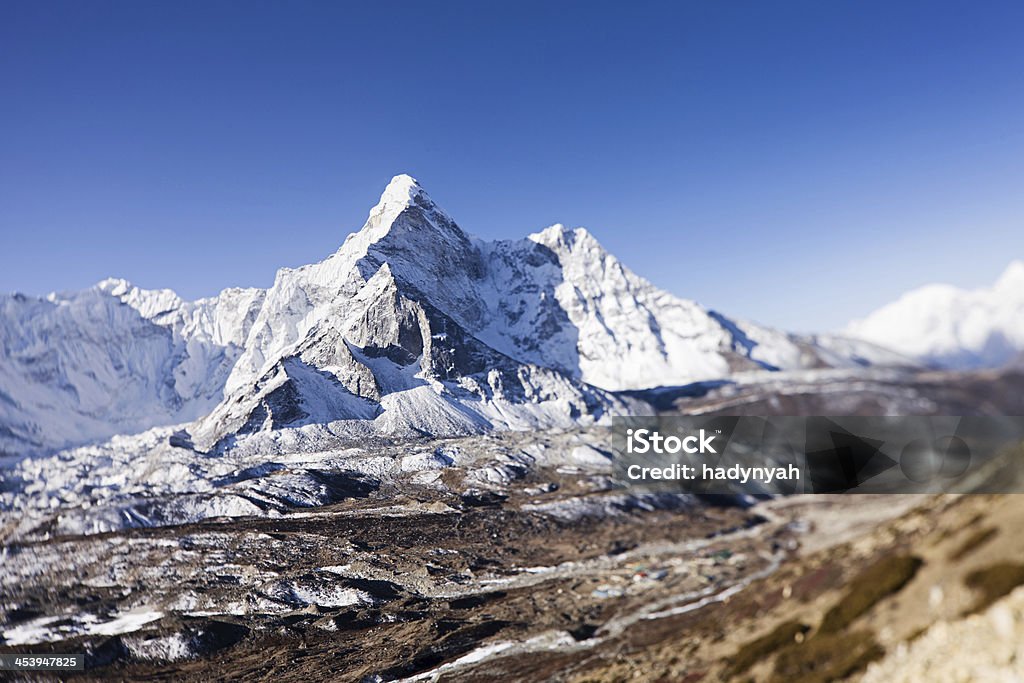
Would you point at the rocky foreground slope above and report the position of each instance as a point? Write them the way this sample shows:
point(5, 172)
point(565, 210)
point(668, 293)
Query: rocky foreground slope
point(450, 559)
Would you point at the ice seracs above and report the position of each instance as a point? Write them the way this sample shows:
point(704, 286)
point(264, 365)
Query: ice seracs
point(952, 327)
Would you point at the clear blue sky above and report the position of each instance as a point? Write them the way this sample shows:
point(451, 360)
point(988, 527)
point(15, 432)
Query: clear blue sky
point(796, 163)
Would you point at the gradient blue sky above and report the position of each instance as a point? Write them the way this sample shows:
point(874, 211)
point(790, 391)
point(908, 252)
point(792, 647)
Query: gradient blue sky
point(796, 163)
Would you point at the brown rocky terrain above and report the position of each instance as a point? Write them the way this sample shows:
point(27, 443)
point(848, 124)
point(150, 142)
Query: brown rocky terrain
point(506, 568)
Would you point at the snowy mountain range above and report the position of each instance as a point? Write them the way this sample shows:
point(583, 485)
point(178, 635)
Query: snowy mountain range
point(411, 327)
point(950, 327)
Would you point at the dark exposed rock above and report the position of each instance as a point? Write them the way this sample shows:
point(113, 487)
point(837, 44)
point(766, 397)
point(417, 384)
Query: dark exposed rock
point(482, 498)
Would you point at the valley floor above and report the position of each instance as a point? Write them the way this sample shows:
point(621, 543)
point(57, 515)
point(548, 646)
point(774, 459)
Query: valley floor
point(436, 588)
point(505, 556)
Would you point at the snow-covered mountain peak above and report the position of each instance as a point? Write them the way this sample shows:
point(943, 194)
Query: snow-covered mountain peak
point(553, 234)
point(401, 192)
point(402, 185)
point(562, 238)
point(953, 327)
point(404, 217)
point(584, 260)
point(1012, 278)
point(150, 303)
point(114, 286)
point(409, 325)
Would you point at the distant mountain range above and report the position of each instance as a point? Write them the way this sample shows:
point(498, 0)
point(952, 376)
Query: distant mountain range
point(953, 328)
point(411, 327)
